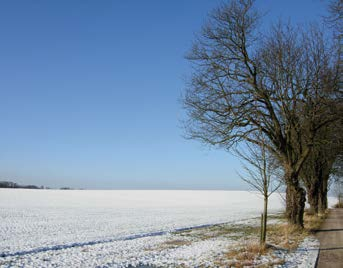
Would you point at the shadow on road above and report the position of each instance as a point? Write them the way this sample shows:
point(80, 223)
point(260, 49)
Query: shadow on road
point(328, 230)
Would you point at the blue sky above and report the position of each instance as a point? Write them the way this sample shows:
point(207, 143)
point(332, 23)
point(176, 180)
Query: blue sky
point(90, 93)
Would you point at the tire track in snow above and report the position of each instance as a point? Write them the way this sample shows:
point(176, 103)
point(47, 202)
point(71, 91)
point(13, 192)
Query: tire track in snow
point(103, 241)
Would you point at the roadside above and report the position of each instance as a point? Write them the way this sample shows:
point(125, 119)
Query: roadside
point(330, 236)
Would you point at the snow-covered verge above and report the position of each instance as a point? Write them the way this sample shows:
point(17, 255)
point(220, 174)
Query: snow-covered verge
point(305, 256)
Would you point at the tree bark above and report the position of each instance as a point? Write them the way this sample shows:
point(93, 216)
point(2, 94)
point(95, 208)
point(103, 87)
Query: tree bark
point(265, 215)
point(323, 195)
point(317, 189)
point(295, 201)
point(313, 197)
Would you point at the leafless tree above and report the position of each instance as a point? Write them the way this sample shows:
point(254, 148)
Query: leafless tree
point(339, 192)
point(319, 166)
point(245, 82)
point(335, 21)
point(336, 14)
point(261, 173)
point(337, 179)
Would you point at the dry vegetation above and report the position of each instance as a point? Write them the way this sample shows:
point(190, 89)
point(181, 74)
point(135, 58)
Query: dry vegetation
point(170, 244)
point(176, 243)
point(246, 250)
point(280, 236)
point(245, 255)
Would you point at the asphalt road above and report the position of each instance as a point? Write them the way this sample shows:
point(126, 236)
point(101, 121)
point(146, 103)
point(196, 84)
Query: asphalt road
point(330, 236)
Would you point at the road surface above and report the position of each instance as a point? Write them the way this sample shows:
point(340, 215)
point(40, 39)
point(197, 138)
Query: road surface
point(330, 237)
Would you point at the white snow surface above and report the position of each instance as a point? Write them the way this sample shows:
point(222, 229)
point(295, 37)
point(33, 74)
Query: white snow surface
point(305, 256)
point(115, 228)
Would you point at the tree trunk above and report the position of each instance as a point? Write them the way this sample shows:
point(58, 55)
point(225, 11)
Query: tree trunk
point(323, 195)
point(295, 201)
point(265, 215)
point(313, 196)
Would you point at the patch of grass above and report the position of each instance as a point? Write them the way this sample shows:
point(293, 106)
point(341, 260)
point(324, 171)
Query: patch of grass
point(281, 235)
point(243, 256)
point(170, 244)
point(177, 243)
point(248, 252)
point(286, 236)
point(312, 222)
point(289, 236)
point(231, 231)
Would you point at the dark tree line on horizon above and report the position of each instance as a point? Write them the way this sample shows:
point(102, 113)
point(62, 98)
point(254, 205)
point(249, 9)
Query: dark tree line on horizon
point(14, 185)
point(10, 184)
point(279, 89)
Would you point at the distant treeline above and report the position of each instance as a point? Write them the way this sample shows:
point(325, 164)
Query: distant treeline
point(10, 184)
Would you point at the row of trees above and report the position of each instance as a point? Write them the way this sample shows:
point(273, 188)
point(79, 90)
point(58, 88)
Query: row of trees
point(277, 90)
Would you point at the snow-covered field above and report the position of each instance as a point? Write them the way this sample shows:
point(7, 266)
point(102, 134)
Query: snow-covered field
point(56, 228)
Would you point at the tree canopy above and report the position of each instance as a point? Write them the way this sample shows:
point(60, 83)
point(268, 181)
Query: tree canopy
point(282, 83)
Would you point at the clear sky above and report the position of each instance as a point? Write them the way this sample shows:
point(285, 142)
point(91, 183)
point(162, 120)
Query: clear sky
point(90, 93)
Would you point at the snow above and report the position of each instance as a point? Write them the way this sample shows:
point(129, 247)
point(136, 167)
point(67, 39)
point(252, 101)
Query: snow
point(116, 228)
point(305, 256)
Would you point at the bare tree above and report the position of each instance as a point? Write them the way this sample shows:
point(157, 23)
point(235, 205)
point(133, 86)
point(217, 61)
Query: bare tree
point(337, 178)
point(338, 190)
point(319, 165)
point(244, 82)
point(336, 14)
point(335, 21)
point(261, 173)
point(339, 193)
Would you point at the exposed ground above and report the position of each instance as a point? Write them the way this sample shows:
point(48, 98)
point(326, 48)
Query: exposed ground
point(330, 236)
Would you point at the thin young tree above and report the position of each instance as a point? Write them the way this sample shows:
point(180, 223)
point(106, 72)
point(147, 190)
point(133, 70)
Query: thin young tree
point(262, 175)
